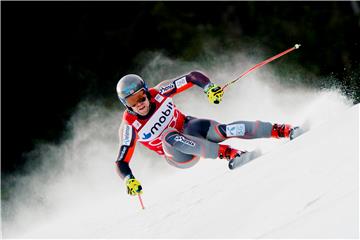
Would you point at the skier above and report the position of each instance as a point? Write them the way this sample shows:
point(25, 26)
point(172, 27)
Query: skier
point(153, 119)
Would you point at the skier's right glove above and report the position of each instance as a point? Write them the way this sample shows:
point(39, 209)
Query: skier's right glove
point(133, 186)
point(214, 93)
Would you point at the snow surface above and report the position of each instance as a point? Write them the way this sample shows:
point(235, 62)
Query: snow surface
point(308, 187)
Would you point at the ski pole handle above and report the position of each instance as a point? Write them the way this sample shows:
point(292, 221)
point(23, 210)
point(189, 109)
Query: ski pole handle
point(262, 64)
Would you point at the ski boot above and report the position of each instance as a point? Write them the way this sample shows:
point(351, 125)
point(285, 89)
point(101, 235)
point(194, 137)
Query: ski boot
point(285, 131)
point(235, 157)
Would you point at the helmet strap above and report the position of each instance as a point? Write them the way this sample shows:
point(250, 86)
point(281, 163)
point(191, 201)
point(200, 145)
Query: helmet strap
point(129, 109)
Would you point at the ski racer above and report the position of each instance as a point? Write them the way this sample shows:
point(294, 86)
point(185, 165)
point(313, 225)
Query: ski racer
point(153, 119)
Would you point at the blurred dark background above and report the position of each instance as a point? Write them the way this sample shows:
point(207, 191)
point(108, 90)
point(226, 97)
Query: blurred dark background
point(56, 53)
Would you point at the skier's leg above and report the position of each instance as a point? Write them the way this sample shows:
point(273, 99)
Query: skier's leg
point(204, 128)
point(216, 132)
point(184, 151)
point(246, 129)
point(257, 129)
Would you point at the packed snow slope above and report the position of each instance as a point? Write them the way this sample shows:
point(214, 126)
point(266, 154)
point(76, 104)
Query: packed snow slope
point(304, 188)
point(307, 187)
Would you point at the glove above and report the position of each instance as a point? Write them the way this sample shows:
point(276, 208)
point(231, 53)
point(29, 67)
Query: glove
point(214, 93)
point(133, 186)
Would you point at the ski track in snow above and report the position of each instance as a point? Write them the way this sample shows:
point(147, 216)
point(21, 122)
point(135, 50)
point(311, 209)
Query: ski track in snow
point(304, 188)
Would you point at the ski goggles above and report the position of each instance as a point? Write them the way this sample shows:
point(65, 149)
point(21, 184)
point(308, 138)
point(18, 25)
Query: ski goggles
point(135, 98)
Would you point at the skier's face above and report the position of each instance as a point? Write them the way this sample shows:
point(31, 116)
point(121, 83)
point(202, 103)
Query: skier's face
point(139, 103)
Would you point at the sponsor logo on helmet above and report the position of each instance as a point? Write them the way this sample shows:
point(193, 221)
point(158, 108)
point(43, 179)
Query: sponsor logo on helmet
point(167, 88)
point(182, 139)
point(131, 89)
point(158, 122)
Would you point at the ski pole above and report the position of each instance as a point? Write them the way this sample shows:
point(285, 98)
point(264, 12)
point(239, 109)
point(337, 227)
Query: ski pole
point(262, 64)
point(141, 202)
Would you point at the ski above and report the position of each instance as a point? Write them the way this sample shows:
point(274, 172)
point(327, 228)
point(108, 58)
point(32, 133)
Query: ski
point(246, 157)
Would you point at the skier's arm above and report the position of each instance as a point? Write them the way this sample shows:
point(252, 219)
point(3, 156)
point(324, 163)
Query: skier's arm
point(127, 138)
point(172, 87)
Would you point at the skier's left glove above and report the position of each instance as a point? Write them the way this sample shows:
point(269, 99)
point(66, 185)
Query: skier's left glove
point(214, 93)
point(133, 186)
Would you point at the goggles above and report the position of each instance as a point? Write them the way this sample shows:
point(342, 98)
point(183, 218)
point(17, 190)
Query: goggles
point(135, 98)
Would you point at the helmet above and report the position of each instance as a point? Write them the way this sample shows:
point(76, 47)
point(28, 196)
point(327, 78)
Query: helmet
point(128, 85)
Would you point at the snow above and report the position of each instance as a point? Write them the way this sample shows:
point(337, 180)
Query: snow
point(305, 188)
